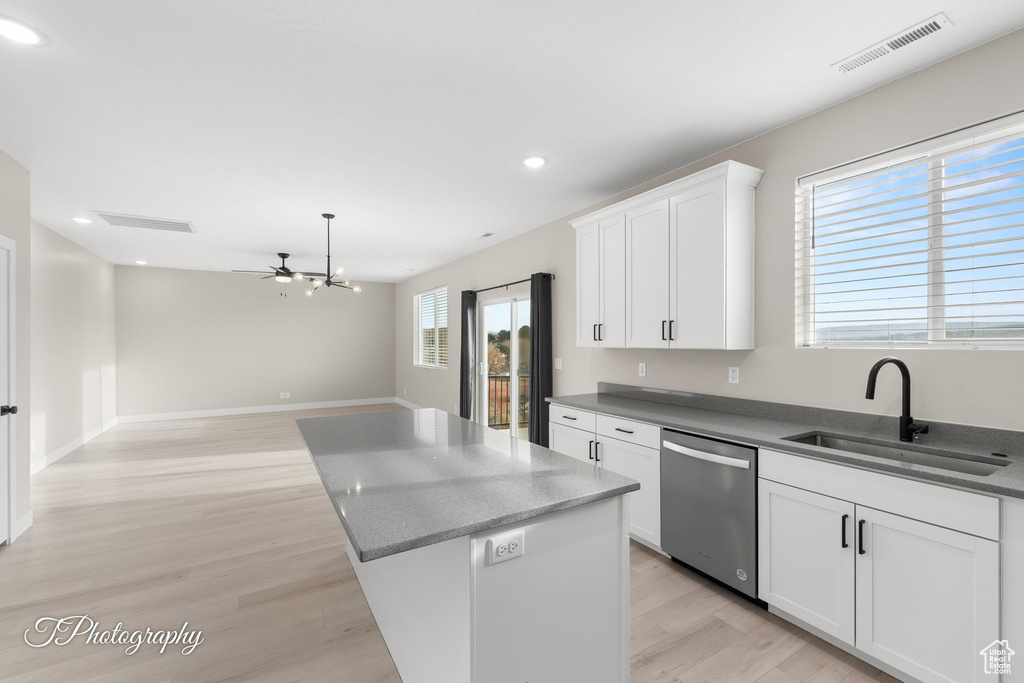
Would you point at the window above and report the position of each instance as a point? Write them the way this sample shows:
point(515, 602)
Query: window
point(920, 247)
point(430, 328)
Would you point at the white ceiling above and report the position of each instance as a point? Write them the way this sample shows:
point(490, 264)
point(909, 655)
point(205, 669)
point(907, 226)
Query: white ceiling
point(409, 119)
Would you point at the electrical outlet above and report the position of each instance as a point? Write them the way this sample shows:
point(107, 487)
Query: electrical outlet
point(558, 364)
point(506, 547)
point(286, 394)
point(643, 369)
point(734, 375)
point(405, 392)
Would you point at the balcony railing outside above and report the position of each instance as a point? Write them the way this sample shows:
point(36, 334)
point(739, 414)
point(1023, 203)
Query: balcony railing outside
point(498, 387)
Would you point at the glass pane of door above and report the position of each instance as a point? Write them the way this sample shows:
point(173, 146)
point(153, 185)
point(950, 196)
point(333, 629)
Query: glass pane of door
point(505, 333)
point(522, 309)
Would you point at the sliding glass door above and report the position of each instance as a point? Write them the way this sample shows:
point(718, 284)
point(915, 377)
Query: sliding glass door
point(505, 363)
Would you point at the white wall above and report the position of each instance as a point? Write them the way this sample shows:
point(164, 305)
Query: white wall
point(15, 224)
point(983, 387)
point(73, 356)
point(193, 340)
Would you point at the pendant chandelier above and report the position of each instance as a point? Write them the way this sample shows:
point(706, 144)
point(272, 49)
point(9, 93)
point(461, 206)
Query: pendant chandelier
point(333, 277)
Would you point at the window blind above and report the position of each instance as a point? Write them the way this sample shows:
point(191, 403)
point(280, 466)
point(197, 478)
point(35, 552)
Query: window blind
point(923, 246)
point(430, 328)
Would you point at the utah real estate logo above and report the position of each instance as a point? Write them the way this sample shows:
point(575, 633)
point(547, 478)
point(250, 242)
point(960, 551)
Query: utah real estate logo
point(997, 657)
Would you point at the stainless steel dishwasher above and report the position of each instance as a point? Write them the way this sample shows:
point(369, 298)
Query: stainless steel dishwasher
point(708, 507)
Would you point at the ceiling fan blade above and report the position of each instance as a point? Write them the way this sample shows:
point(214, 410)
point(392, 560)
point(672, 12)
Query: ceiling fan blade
point(267, 277)
point(258, 272)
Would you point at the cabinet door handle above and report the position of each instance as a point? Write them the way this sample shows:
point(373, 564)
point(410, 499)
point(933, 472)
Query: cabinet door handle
point(590, 449)
point(567, 417)
point(624, 431)
point(671, 336)
point(860, 538)
point(845, 544)
point(663, 338)
point(597, 458)
point(600, 332)
point(595, 331)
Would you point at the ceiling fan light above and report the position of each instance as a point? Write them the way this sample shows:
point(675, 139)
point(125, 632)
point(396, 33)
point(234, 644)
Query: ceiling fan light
point(283, 279)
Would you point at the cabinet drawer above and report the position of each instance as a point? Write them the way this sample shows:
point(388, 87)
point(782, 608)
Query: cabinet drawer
point(570, 417)
point(640, 433)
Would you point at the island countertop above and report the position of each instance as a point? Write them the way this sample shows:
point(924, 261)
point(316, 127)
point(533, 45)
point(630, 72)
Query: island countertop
point(404, 479)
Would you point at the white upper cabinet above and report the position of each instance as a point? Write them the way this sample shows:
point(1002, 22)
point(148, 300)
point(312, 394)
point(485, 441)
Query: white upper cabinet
point(600, 283)
point(688, 265)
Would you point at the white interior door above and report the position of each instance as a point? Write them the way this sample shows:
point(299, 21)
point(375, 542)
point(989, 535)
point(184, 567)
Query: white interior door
point(7, 454)
point(505, 369)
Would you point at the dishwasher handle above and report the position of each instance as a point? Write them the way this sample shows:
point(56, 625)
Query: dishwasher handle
point(710, 457)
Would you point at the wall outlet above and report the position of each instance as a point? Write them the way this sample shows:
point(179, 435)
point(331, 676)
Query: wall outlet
point(734, 375)
point(405, 392)
point(506, 547)
point(558, 364)
point(643, 369)
point(286, 394)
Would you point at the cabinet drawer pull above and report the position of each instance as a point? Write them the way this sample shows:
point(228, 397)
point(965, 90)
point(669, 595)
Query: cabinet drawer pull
point(567, 417)
point(845, 544)
point(590, 449)
point(860, 538)
point(663, 338)
point(624, 431)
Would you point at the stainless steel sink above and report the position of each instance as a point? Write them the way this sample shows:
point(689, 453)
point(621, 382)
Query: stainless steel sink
point(955, 462)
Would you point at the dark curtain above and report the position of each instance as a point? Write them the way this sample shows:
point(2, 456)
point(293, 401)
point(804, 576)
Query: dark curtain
point(467, 362)
point(541, 380)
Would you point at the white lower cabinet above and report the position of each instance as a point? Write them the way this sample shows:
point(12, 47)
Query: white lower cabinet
point(633, 460)
point(917, 596)
point(644, 465)
point(570, 441)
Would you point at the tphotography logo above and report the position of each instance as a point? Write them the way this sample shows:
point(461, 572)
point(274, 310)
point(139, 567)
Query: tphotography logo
point(61, 631)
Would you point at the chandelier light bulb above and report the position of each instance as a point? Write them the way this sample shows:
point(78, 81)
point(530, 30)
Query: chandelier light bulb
point(338, 271)
point(346, 283)
point(357, 289)
point(309, 292)
point(299, 276)
point(317, 283)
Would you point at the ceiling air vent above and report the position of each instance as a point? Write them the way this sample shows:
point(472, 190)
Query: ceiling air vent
point(892, 43)
point(128, 221)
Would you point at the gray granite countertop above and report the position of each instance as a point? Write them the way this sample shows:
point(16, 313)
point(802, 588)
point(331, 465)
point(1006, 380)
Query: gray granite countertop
point(765, 424)
point(401, 480)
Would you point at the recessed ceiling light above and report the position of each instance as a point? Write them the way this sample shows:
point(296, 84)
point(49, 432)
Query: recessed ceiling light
point(534, 162)
point(83, 221)
point(140, 263)
point(18, 32)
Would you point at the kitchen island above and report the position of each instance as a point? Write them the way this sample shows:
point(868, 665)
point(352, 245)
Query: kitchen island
point(483, 557)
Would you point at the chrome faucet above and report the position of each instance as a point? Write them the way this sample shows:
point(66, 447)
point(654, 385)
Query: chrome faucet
point(908, 428)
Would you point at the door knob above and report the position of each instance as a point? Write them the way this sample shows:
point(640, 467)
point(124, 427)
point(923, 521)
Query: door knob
point(4, 410)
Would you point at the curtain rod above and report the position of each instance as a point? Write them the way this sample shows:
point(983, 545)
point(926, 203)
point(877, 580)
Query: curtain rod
point(509, 284)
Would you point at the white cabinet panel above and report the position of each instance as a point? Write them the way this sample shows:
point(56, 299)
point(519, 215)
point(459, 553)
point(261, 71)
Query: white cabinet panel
point(644, 465)
point(611, 332)
point(647, 276)
point(698, 268)
point(588, 285)
point(806, 557)
point(927, 597)
point(573, 442)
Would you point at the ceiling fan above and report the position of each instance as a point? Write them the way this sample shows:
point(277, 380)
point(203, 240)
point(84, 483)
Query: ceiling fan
point(282, 273)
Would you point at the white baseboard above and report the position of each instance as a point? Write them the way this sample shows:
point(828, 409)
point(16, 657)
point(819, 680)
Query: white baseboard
point(70, 446)
point(406, 404)
point(275, 408)
point(21, 525)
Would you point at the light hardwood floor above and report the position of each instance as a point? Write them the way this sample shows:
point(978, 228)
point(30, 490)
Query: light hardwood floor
point(223, 523)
